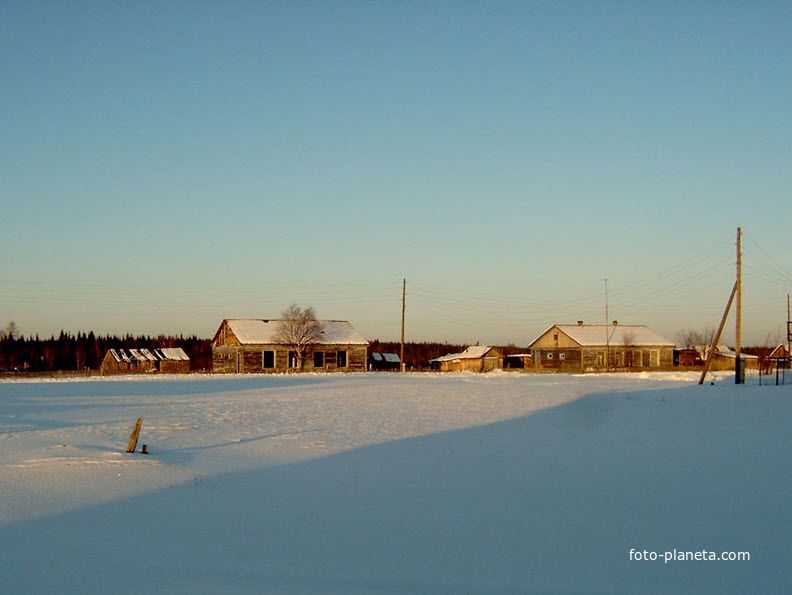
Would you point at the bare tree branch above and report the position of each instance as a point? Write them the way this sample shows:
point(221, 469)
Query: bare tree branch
point(300, 330)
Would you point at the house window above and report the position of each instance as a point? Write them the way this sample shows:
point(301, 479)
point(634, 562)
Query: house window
point(549, 356)
point(654, 358)
point(268, 360)
point(318, 359)
point(562, 356)
point(292, 359)
point(638, 358)
point(600, 358)
point(341, 359)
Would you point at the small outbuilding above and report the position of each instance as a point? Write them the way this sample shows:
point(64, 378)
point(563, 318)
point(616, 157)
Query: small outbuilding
point(477, 358)
point(597, 347)
point(167, 360)
point(724, 358)
point(518, 361)
point(384, 361)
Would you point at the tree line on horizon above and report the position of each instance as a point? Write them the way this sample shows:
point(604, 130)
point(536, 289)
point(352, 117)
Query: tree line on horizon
point(84, 352)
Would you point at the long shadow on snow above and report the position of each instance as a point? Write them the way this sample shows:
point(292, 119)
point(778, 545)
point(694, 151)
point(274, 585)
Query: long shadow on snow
point(31, 401)
point(155, 387)
point(549, 503)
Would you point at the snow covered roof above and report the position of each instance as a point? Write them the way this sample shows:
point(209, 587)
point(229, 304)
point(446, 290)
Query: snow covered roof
point(472, 352)
point(174, 353)
point(780, 352)
point(255, 331)
point(591, 335)
point(392, 358)
point(140, 355)
point(722, 351)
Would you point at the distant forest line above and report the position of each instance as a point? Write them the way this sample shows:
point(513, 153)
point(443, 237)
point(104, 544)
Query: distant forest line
point(84, 352)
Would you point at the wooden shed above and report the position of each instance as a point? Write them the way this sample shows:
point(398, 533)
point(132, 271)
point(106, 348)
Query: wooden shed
point(477, 358)
point(245, 345)
point(168, 360)
point(384, 361)
point(724, 358)
point(596, 347)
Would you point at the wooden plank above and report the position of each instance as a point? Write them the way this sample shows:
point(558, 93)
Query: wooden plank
point(717, 335)
point(133, 438)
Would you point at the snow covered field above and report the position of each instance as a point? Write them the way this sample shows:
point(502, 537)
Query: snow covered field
point(395, 483)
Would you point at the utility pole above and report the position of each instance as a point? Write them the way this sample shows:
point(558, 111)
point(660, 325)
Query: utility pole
point(788, 360)
point(404, 307)
point(739, 369)
point(789, 328)
point(607, 334)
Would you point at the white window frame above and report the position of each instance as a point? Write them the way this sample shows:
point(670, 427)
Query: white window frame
point(654, 358)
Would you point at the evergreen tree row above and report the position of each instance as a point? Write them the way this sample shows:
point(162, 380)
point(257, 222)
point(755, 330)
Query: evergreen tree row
point(83, 352)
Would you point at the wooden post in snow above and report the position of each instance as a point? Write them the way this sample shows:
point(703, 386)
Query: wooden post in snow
point(133, 437)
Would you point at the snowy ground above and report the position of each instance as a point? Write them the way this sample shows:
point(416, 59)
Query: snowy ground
point(394, 483)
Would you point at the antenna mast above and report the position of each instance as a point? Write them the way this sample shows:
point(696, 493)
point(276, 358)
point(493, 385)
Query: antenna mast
point(404, 307)
point(739, 365)
point(607, 334)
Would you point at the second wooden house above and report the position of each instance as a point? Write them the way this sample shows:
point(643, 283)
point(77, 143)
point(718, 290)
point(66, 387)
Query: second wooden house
point(598, 347)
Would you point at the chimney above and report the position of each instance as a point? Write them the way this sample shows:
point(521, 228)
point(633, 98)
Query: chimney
point(580, 323)
point(615, 322)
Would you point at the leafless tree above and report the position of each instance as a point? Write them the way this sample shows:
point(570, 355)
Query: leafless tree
point(11, 331)
point(629, 341)
point(688, 339)
point(299, 330)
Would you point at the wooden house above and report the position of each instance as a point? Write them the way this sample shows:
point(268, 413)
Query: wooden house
point(594, 347)
point(477, 358)
point(243, 345)
point(780, 354)
point(780, 358)
point(168, 360)
point(172, 360)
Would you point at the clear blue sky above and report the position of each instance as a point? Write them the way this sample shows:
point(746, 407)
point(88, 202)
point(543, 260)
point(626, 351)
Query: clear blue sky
point(165, 165)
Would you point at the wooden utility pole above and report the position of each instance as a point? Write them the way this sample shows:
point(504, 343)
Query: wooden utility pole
point(739, 370)
point(404, 308)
